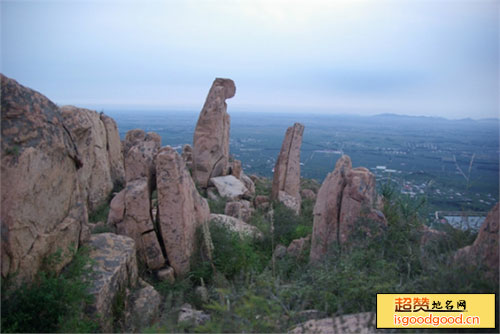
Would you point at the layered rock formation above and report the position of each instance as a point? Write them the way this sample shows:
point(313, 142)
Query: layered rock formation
point(43, 204)
point(484, 251)
point(345, 202)
point(181, 209)
point(211, 136)
point(286, 180)
point(99, 146)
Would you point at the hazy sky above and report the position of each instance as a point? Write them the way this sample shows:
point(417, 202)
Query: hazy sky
point(413, 57)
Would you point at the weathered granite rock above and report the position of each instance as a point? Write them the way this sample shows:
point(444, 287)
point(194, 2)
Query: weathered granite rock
point(187, 155)
point(114, 148)
point(484, 251)
point(114, 271)
point(136, 136)
point(249, 184)
point(298, 247)
point(235, 168)
point(43, 207)
point(289, 201)
point(143, 308)
point(166, 274)
point(90, 137)
point(117, 209)
point(139, 160)
point(346, 198)
point(287, 169)
point(261, 202)
point(239, 209)
point(279, 252)
point(236, 225)
point(308, 193)
point(230, 187)
point(211, 136)
point(350, 323)
point(189, 315)
point(138, 225)
point(181, 209)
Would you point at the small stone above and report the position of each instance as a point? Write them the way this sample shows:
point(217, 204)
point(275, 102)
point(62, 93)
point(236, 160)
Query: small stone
point(166, 274)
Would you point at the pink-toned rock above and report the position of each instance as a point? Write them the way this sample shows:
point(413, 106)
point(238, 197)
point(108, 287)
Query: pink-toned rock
point(114, 148)
point(247, 181)
point(181, 209)
point(298, 246)
point(261, 202)
point(117, 208)
point(136, 136)
point(346, 198)
point(187, 155)
point(43, 208)
point(308, 194)
point(484, 250)
point(90, 137)
point(287, 169)
point(289, 201)
point(211, 136)
point(139, 160)
point(138, 225)
point(239, 209)
point(235, 168)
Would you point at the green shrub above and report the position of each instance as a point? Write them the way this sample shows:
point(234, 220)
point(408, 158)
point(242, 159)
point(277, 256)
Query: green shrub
point(51, 303)
point(218, 205)
point(99, 214)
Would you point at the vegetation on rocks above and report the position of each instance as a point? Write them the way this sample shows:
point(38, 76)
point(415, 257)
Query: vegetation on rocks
point(51, 303)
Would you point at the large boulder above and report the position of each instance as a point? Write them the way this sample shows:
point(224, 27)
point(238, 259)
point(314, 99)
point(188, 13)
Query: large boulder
point(349, 323)
point(139, 158)
point(181, 209)
point(211, 135)
point(43, 207)
point(230, 187)
point(90, 136)
point(484, 250)
point(239, 209)
point(287, 169)
point(137, 222)
point(114, 266)
point(345, 202)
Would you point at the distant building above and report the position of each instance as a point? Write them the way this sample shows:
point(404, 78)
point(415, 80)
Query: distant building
point(461, 219)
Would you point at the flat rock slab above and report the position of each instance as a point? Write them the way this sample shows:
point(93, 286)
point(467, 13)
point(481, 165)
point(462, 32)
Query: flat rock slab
point(229, 186)
point(350, 323)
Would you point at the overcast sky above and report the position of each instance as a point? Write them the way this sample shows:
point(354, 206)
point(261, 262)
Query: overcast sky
point(414, 57)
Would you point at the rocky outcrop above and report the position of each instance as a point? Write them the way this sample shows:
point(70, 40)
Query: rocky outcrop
point(239, 209)
point(181, 209)
point(345, 202)
point(114, 148)
point(91, 138)
point(143, 308)
point(43, 207)
point(211, 136)
point(137, 223)
point(139, 158)
point(235, 168)
point(308, 194)
point(298, 247)
point(350, 323)
point(187, 155)
point(261, 202)
point(287, 169)
point(114, 272)
point(484, 251)
point(189, 316)
point(249, 184)
point(236, 225)
point(230, 187)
